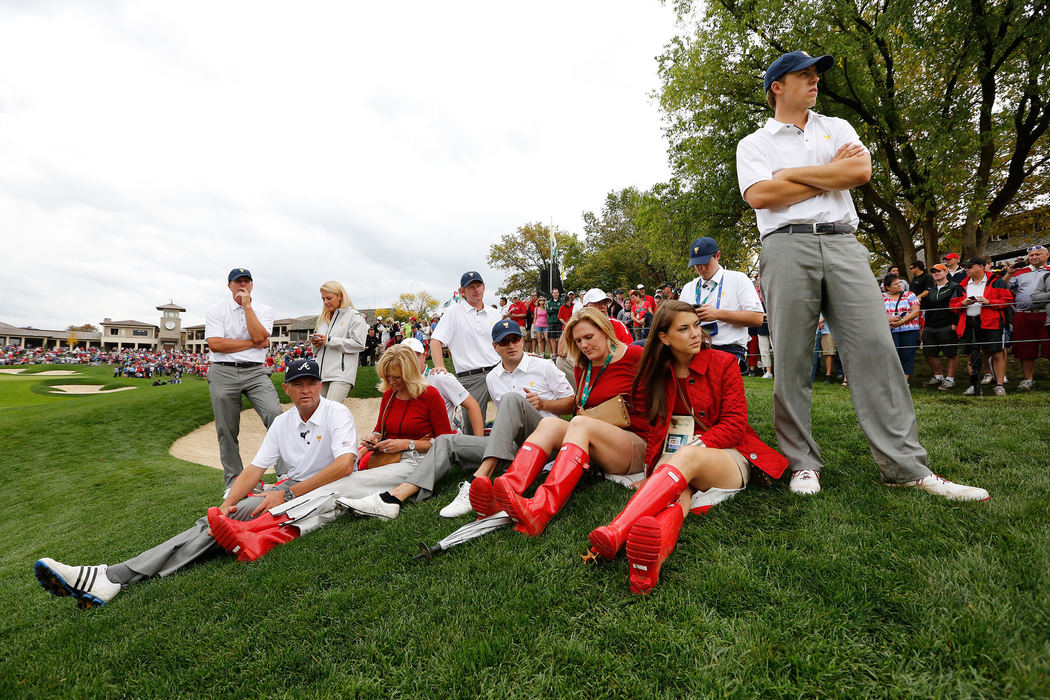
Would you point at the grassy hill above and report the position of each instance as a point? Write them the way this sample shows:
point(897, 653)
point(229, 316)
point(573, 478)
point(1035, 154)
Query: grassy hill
point(860, 591)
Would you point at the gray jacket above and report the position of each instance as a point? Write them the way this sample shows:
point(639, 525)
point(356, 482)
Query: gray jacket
point(344, 340)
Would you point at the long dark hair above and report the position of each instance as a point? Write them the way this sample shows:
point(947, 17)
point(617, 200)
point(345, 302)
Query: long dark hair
point(651, 380)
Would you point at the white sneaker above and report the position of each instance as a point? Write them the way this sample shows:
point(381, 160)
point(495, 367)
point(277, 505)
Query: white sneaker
point(970, 391)
point(87, 584)
point(942, 487)
point(460, 505)
point(987, 379)
point(371, 506)
point(999, 390)
point(1026, 385)
point(805, 481)
point(934, 381)
point(767, 375)
point(948, 383)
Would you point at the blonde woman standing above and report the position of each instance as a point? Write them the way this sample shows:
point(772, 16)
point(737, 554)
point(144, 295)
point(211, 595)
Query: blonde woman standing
point(338, 341)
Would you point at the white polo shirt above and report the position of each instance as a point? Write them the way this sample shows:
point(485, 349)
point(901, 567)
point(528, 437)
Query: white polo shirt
point(974, 289)
point(727, 289)
point(777, 146)
point(452, 392)
point(467, 333)
point(226, 320)
point(307, 447)
point(537, 375)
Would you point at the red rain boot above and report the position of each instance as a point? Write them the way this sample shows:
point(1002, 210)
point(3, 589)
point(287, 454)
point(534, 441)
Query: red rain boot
point(664, 486)
point(532, 515)
point(250, 539)
point(650, 543)
point(521, 472)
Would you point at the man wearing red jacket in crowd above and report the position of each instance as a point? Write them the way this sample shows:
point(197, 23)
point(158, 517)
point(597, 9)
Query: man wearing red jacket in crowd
point(600, 300)
point(982, 302)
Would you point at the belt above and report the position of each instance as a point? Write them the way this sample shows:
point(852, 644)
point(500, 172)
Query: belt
point(815, 229)
point(239, 365)
point(471, 372)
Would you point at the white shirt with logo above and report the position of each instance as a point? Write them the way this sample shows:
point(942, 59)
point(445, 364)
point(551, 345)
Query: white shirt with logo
point(467, 333)
point(307, 447)
point(537, 375)
point(226, 320)
point(737, 294)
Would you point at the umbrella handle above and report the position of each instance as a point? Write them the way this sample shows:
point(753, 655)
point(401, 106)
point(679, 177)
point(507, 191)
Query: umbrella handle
point(428, 553)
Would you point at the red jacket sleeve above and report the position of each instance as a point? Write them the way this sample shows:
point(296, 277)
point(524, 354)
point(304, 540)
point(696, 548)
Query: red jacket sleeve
point(436, 410)
point(727, 390)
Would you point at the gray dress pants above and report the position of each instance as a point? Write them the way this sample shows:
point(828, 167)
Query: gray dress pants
point(514, 422)
point(802, 275)
point(226, 385)
point(477, 387)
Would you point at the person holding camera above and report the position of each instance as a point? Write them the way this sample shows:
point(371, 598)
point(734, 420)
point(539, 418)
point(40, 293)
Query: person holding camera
point(725, 300)
point(902, 308)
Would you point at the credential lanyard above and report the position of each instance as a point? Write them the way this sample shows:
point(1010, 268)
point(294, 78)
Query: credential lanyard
point(718, 299)
point(587, 385)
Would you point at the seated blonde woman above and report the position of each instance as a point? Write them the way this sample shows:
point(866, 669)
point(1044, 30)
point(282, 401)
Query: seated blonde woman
point(338, 341)
point(605, 370)
point(411, 413)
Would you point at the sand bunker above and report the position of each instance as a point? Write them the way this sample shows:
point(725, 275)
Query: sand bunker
point(87, 388)
point(202, 446)
point(48, 373)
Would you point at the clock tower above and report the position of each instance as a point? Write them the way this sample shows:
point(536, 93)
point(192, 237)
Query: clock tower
point(170, 327)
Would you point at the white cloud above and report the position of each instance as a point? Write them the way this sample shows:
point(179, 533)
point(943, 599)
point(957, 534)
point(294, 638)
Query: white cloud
point(147, 147)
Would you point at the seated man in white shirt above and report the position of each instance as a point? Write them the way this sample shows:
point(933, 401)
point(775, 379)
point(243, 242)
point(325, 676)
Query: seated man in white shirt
point(526, 389)
point(725, 300)
point(452, 393)
point(317, 440)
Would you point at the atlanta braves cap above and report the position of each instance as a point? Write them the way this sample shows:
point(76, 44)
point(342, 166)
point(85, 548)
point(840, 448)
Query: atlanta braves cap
point(302, 368)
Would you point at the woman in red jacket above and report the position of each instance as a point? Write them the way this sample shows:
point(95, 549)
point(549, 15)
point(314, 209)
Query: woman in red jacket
point(605, 370)
point(411, 412)
point(694, 397)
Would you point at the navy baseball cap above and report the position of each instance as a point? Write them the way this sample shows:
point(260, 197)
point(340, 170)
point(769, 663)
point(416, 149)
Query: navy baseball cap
point(503, 328)
point(793, 61)
point(302, 368)
point(701, 250)
point(469, 277)
point(238, 272)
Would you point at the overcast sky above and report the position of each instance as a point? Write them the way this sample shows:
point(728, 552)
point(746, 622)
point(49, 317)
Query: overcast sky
point(148, 147)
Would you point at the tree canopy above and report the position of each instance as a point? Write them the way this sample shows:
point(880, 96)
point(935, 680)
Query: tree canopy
point(525, 252)
point(952, 97)
point(418, 305)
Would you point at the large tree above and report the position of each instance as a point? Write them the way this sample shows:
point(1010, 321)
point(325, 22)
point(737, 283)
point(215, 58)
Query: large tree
point(418, 305)
point(951, 96)
point(524, 253)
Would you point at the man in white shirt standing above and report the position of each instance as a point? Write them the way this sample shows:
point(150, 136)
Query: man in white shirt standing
point(238, 334)
point(725, 300)
point(527, 389)
point(452, 393)
point(796, 172)
point(465, 329)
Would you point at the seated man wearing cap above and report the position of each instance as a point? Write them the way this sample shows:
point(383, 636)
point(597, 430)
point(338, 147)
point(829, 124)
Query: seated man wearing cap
point(796, 172)
point(725, 300)
point(464, 329)
point(238, 333)
point(452, 393)
point(526, 389)
point(600, 300)
point(317, 440)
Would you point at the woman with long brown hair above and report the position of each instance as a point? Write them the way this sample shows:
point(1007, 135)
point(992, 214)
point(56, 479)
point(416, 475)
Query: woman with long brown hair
point(702, 446)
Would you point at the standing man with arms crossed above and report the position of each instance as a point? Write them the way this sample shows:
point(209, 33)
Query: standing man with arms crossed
point(466, 328)
point(238, 333)
point(796, 172)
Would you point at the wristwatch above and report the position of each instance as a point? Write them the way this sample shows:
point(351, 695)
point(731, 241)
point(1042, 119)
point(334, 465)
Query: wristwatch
point(288, 495)
point(411, 445)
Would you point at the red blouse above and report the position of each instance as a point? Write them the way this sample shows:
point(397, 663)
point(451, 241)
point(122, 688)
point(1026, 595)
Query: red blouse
point(424, 416)
point(615, 380)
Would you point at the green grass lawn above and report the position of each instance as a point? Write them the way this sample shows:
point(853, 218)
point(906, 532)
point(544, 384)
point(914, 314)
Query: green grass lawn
point(861, 591)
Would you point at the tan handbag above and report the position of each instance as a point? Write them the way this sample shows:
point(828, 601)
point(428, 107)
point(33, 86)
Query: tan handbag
point(612, 411)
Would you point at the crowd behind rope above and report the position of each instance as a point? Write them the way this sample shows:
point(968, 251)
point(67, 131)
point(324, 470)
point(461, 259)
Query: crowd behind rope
point(652, 390)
